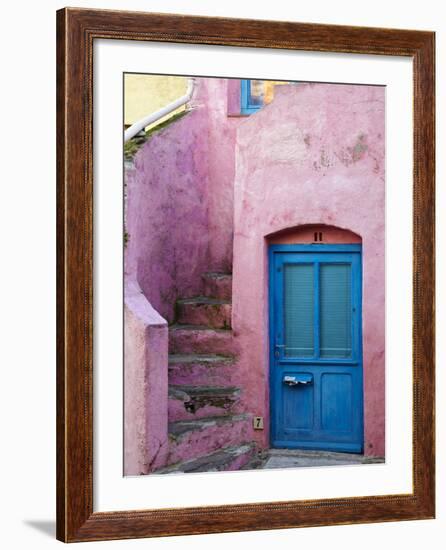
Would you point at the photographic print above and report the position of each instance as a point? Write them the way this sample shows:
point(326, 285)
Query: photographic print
point(254, 274)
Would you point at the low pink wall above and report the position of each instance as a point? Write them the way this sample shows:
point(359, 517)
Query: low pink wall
point(145, 384)
point(315, 155)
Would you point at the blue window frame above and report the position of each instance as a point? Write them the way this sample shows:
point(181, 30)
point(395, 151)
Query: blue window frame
point(249, 104)
point(254, 94)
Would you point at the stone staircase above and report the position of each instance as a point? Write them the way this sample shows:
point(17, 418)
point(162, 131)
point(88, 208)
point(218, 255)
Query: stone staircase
point(208, 431)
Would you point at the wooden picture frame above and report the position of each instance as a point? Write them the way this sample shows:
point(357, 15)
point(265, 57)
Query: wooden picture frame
point(76, 31)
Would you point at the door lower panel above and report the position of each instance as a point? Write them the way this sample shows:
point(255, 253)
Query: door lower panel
point(324, 414)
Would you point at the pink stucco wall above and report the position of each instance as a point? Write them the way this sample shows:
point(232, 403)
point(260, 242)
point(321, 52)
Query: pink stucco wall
point(315, 155)
point(221, 128)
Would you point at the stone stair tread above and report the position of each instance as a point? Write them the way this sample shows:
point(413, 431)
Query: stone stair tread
point(175, 392)
point(217, 274)
point(199, 358)
point(201, 339)
point(179, 326)
point(203, 310)
point(211, 462)
point(194, 402)
point(208, 390)
point(217, 285)
point(203, 300)
point(193, 369)
point(181, 427)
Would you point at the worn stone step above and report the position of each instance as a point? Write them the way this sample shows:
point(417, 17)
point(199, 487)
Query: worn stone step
point(218, 285)
point(190, 439)
point(202, 310)
point(228, 458)
point(192, 402)
point(203, 370)
point(200, 339)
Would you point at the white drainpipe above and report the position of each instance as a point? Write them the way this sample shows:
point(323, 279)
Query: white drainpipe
point(150, 119)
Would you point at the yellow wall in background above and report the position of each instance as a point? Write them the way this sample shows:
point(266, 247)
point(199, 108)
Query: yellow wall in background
point(145, 94)
point(265, 88)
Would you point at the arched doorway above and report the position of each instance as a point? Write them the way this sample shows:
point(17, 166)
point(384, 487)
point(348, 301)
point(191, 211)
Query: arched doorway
point(315, 291)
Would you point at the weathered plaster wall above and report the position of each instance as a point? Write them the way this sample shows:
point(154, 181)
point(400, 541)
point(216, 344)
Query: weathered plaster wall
point(180, 196)
point(145, 384)
point(234, 97)
point(315, 155)
point(212, 95)
point(178, 225)
point(167, 213)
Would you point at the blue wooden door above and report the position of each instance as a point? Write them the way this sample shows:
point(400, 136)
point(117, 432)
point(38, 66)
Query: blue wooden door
point(316, 347)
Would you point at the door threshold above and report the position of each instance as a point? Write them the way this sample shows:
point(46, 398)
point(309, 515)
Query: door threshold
point(301, 458)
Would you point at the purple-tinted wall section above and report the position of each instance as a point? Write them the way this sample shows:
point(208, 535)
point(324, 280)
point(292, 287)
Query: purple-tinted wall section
point(315, 155)
point(167, 213)
point(179, 201)
point(179, 224)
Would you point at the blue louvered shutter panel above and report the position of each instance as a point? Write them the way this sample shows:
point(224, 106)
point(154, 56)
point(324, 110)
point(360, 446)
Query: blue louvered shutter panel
point(335, 310)
point(299, 310)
